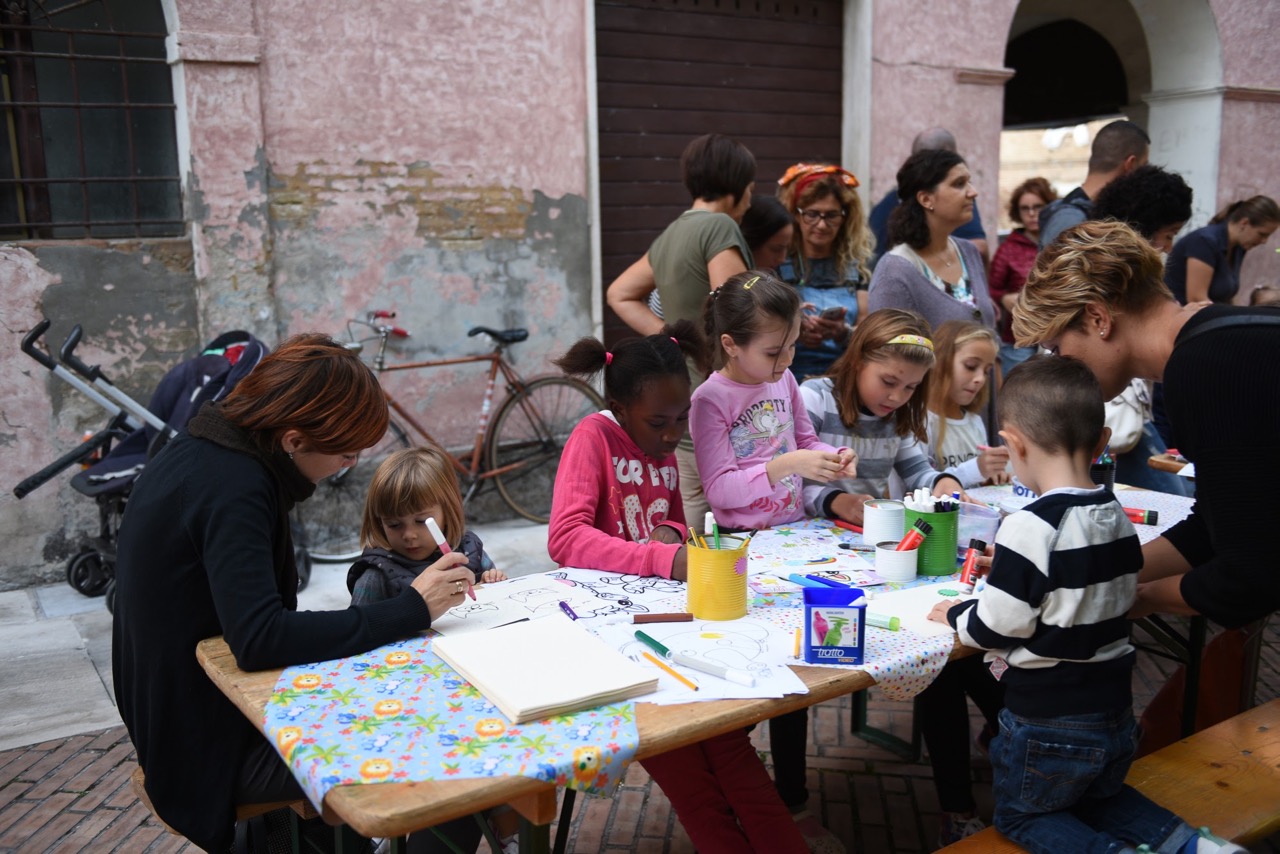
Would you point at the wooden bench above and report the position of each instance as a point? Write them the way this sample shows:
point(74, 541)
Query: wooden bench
point(1226, 777)
point(245, 811)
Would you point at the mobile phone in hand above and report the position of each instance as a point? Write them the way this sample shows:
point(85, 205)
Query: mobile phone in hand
point(834, 313)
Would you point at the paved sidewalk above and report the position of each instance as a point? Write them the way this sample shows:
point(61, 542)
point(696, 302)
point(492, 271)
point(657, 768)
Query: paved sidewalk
point(64, 774)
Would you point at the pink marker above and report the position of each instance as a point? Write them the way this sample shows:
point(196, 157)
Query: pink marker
point(444, 547)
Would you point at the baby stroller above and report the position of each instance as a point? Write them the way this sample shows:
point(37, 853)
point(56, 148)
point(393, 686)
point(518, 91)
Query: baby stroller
point(115, 455)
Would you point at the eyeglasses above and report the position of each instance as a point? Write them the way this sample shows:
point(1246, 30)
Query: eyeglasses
point(833, 217)
point(1030, 208)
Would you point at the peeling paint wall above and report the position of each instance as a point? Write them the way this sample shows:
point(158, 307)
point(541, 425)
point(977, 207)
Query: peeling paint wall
point(437, 167)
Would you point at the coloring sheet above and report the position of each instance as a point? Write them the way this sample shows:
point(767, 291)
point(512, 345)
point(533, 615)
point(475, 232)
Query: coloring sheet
point(1172, 508)
point(912, 606)
point(529, 597)
point(615, 594)
point(806, 547)
point(746, 644)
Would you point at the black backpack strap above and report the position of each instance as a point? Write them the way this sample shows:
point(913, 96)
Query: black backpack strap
point(1233, 320)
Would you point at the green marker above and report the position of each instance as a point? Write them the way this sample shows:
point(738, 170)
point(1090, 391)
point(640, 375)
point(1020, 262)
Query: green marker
point(653, 644)
point(881, 621)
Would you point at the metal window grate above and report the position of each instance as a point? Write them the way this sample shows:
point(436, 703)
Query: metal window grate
point(86, 99)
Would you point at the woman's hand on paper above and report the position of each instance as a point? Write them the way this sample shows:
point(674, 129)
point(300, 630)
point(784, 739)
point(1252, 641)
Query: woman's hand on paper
point(444, 584)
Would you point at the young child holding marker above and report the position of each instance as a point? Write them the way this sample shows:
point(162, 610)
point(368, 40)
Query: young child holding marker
point(751, 435)
point(1054, 619)
point(617, 508)
point(412, 492)
point(958, 391)
point(755, 449)
point(874, 401)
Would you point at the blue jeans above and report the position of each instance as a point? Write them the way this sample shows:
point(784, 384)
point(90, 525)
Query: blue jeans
point(1059, 786)
point(1011, 356)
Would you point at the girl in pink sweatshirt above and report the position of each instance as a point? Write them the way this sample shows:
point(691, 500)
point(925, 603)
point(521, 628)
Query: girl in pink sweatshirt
point(616, 507)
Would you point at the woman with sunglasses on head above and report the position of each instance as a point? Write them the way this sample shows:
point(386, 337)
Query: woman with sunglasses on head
point(929, 271)
point(828, 262)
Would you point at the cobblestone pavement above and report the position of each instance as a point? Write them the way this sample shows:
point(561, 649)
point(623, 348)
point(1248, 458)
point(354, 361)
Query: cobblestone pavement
point(72, 794)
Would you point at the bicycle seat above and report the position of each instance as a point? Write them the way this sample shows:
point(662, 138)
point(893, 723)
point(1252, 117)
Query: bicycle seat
point(506, 336)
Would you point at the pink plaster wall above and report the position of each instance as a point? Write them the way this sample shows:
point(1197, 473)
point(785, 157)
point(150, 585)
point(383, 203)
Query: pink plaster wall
point(916, 49)
point(430, 158)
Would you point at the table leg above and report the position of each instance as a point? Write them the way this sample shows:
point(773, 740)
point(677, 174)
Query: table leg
point(908, 750)
point(1196, 631)
point(534, 838)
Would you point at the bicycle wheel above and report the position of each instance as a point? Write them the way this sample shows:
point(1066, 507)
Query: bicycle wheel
point(529, 433)
point(331, 517)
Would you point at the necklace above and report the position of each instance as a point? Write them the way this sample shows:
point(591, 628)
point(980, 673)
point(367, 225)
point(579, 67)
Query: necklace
point(945, 257)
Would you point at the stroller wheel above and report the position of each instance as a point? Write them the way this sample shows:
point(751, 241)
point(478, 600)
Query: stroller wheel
point(111, 596)
point(88, 573)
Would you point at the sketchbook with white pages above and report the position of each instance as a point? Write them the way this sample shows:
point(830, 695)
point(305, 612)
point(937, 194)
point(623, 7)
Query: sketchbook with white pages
point(538, 668)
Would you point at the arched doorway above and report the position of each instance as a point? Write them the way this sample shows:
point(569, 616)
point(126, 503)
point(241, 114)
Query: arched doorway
point(1165, 60)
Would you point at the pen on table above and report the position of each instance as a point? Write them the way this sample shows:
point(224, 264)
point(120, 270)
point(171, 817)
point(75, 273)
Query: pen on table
point(682, 617)
point(564, 606)
point(848, 526)
point(653, 644)
point(1142, 517)
point(670, 671)
point(796, 654)
point(828, 582)
point(445, 548)
point(736, 676)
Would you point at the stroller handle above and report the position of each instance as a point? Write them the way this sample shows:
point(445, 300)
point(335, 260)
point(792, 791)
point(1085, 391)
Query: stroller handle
point(29, 345)
point(68, 357)
point(77, 454)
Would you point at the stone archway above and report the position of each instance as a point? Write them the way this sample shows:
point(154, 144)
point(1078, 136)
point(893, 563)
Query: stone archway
point(1171, 56)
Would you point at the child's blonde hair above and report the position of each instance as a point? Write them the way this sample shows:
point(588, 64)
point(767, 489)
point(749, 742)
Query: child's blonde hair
point(739, 307)
point(408, 482)
point(871, 342)
point(949, 338)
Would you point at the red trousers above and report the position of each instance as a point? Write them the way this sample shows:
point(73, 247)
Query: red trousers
point(723, 796)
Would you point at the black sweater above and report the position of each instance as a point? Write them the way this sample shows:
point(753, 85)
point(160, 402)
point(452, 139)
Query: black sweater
point(195, 561)
point(1222, 395)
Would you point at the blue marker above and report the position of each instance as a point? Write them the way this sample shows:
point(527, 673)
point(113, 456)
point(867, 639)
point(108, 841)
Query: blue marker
point(564, 606)
point(828, 582)
point(805, 581)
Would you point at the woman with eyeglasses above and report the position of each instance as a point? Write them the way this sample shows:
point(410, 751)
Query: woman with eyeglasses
point(828, 261)
point(1014, 260)
point(928, 271)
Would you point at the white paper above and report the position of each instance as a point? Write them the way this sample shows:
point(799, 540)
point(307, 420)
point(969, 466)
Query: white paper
point(745, 644)
point(526, 598)
point(912, 606)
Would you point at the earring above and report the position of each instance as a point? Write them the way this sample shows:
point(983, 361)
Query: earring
point(290, 455)
point(930, 208)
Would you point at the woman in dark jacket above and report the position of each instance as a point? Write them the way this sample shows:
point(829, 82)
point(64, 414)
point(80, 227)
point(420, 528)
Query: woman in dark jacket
point(205, 550)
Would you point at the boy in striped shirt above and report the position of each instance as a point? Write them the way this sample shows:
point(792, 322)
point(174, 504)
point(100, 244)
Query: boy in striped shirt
point(1053, 617)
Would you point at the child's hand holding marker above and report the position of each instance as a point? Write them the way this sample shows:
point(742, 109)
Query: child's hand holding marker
point(820, 466)
point(446, 550)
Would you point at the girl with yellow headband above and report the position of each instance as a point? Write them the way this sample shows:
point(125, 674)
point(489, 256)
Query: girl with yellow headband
point(874, 402)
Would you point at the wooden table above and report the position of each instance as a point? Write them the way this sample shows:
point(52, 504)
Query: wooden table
point(394, 809)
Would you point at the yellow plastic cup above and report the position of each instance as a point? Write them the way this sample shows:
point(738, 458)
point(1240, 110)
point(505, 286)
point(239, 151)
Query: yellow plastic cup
point(717, 586)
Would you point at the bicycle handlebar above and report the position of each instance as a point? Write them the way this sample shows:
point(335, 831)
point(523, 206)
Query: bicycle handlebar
point(381, 313)
point(68, 356)
point(29, 345)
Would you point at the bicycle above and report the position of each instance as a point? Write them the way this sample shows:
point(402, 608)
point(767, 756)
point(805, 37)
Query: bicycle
point(519, 450)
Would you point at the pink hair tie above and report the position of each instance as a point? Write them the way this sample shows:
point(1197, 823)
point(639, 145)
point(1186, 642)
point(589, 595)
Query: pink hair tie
point(608, 357)
point(674, 341)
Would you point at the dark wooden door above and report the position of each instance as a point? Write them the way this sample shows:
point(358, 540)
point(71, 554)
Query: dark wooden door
point(768, 74)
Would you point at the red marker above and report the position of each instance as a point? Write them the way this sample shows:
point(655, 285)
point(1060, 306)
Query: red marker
point(915, 536)
point(1142, 517)
point(969, 570)
point(445, 548)
point(848, 526)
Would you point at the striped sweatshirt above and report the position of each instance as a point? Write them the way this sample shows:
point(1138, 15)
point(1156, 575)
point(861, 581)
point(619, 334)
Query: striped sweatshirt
point(1054, 607)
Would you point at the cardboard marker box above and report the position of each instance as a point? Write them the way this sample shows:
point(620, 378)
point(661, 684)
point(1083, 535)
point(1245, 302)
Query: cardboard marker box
point(835, 625)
